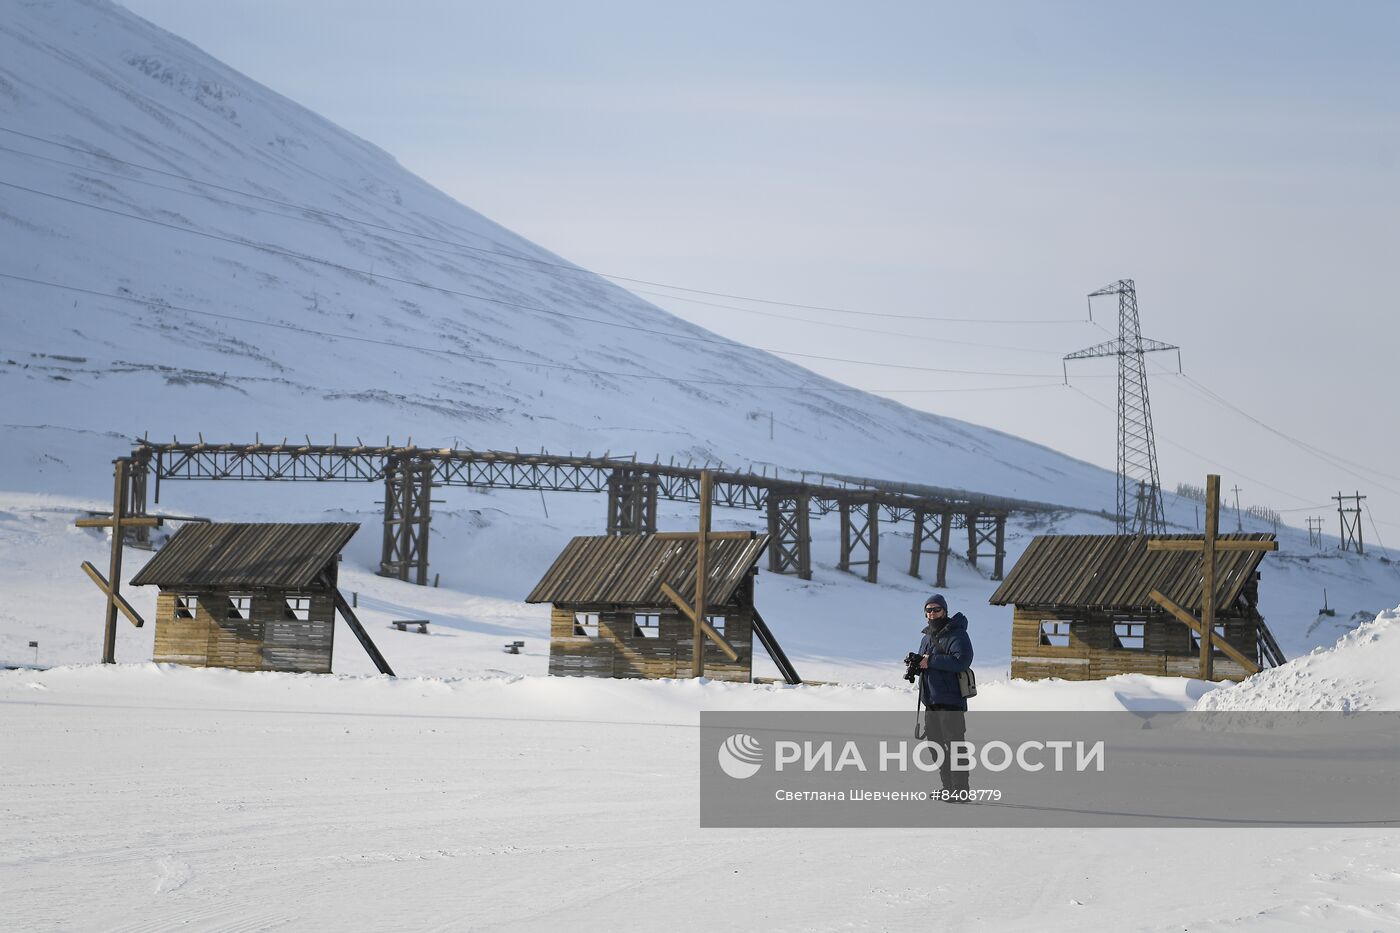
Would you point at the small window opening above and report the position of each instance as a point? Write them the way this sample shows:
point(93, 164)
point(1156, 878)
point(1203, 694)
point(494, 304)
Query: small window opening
point(1054, 633)
point(1130, 635)
point(298, 608)
point(646, 624)
point(1215, 640)
point(186, 607)
point(586, 623)
point(240, 608)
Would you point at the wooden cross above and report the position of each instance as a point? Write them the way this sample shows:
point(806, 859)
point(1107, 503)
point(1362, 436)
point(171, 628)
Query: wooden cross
point(1208, 546)
point(118, 522)
point(696, 614)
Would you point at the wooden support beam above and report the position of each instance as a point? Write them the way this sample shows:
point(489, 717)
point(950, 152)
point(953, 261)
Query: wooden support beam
point(353, 621)
point(918, 546)
point(407, 520)
point(775, 651)
point(844, 561)
point(1199, 545)
point(1207, 630)
point(713, 536)
point(944, 542)
point(118, 520)
point(872, 544)
point(1207, 546)
point(136, 495)
point(388, 560)
point(1185, 617)
point(423, 491)
point(804, 537)
point(697, 661)
point(999, 566)
point(789, 530)
point(132, 615)
point(701, 625)
point(147, 521)
point(860, 526)
point(109, 636)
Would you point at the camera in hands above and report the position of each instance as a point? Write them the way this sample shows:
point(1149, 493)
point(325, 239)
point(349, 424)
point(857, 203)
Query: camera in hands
point(911, 666)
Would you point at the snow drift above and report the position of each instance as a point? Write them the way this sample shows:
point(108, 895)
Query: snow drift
point(1357, 673)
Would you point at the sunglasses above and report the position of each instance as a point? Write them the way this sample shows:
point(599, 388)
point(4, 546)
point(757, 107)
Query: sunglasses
point(933, 609)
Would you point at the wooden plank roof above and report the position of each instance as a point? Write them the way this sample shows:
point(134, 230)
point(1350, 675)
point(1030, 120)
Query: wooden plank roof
point(231, 554)
point(628, 570)
point(1118, 572)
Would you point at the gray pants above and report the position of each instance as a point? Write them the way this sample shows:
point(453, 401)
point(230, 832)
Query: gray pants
point(943, 726)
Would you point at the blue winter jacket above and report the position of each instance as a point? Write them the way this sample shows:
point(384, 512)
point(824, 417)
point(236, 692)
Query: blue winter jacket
point(949, 651)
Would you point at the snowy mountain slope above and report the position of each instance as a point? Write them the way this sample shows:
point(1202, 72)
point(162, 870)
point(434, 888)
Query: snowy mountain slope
point(512, 346)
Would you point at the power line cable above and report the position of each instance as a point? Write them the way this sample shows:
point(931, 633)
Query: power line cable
point(1199, 456)
point(544, 263)
point(305, 257)
point(1039, 385)
point(162, 305)
point(1324, 456)
point(1330, 459)
point(301, 217)
point(858, 328)
point(1367, 507)
point(901, 317)
point(1304, 446)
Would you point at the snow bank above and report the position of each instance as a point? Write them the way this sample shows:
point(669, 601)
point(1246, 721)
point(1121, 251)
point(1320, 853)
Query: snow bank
point(1357, 673)
point(502, 695)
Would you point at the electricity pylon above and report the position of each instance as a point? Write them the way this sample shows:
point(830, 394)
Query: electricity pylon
point(1137, 450)
point(1351, 530)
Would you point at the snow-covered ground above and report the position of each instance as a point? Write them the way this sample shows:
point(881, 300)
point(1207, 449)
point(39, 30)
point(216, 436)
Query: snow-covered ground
point(140, 797)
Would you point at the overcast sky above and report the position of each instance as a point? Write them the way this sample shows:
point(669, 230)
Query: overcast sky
point(993, 162)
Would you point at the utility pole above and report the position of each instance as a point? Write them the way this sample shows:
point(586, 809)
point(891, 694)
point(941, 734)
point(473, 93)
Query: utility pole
point(1208, 546)
point(1351, 528)
point(1239, 522)
point(702, 628)
point(1315, 532)
point(1137, 450)
point(111, 585)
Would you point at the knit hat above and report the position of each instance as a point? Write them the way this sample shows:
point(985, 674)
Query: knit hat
point(936, 600)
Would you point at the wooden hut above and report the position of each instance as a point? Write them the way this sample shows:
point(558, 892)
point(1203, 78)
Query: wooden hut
point(1082, 609)
point(611, 618)
point(250, 597)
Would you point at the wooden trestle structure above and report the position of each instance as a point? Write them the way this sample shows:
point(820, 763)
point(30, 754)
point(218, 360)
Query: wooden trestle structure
point(409, 474)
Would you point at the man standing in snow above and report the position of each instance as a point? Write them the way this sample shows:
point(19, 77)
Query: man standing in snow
point(947, 652)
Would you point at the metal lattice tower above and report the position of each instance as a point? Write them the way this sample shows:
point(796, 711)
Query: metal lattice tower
point(1139, 484)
